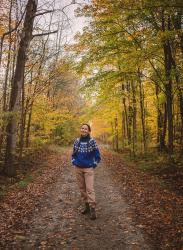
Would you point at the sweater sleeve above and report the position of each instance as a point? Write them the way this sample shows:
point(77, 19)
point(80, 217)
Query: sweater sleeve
point(74, 150)
point(96, 152)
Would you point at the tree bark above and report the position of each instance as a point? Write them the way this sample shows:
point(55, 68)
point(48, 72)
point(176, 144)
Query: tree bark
point(28, 127)
point(168, 84)
point(123, 126)
point(15, 97)
point(142, 111)
point(177, 23)
point(22, 124)
point(161, 122)
point(5, 85)
point(116, 134)
point(164, 131)
point(113, 140)
point(134, 141)
point(126, 120)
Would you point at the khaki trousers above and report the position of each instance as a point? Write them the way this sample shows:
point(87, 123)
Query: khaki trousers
point(85, 180)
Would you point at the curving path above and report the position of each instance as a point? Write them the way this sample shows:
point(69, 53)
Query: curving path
point(57, 223)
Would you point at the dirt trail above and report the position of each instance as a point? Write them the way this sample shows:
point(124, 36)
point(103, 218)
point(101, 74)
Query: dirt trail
point(57, 223)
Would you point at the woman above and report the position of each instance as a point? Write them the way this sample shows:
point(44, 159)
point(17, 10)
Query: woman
point(85, 158)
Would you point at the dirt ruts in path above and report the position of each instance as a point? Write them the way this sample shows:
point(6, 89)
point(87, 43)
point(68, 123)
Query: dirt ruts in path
point(57, 223)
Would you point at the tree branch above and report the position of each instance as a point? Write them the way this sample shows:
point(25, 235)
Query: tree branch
point(15, 28)
point(45, 34)
point(44, 12)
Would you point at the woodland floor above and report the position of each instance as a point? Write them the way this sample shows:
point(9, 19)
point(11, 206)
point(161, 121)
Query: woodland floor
point(133, 210)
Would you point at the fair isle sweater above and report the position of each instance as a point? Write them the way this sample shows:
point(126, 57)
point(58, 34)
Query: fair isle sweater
point(85, 153)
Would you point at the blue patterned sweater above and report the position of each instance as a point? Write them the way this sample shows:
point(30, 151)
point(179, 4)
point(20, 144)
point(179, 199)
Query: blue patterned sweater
point(85, 153)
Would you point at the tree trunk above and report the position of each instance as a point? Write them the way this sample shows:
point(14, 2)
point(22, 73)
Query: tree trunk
point(177, 22)
point(168, 85)
point(134, 121)
point(2, 132)
point(22, 124)
point(161, 123)
point(28, 128)
point(164, 131)
point(15, 97)
point(116, 134)
point(142, 111)
point(123, 126)
point(180, 95)
point(126, 120)
point(113, 142)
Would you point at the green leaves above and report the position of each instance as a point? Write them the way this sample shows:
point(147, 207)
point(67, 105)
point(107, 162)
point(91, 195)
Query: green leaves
point(122, 47)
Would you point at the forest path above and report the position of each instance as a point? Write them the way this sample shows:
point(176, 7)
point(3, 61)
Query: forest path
point(57, 223)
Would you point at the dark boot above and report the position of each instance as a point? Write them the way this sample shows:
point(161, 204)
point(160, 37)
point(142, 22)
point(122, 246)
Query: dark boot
point(87, 209)
point(92, 213)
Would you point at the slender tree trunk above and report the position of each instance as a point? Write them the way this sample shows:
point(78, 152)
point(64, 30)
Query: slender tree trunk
point(28, 128)
point(130, 113)
point(6, 78)
point(126, 120)
point(5, 85)
point(142, 111)
point(116, 134)
point(123, 126)
point(134, 117)
point(15, 97)
point(113, 139)
point(177, 22)
point(1, 48)
point(169, 116)
point(159, 127)
point(161, 122)
point(180, 96)
point(22, 124)
point(164, 132)
point(180, 91)
point(2, 134)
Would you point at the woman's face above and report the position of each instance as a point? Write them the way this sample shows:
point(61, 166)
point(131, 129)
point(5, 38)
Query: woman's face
point(84, 130)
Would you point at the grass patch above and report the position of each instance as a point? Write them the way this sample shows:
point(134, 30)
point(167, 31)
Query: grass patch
point(145, 166)
point(57, 148)
point(3, 192)
point(168, 174)
point(25, 182)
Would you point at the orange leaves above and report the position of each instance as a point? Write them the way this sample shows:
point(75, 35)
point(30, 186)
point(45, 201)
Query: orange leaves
point(157, 209)
point(2, 30)
point(16, 209)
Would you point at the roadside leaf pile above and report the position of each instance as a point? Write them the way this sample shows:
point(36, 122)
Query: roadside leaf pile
point(17, 207)
point(157, 210)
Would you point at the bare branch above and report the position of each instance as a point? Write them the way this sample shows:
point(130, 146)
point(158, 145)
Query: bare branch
point(44, 12)
point(45, 34)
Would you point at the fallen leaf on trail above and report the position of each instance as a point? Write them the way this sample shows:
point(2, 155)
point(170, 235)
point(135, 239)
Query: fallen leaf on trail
point(19, 237)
